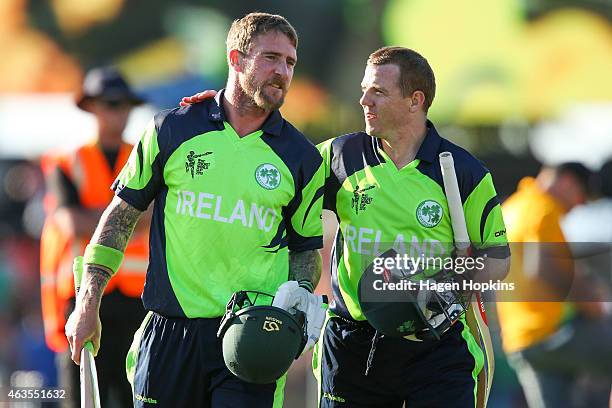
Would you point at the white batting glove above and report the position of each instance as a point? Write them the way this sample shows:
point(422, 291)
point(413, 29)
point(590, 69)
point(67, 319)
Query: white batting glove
point(291, 297)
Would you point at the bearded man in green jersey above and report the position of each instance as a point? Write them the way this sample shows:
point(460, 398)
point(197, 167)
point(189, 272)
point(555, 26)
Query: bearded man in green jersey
point(237, 194)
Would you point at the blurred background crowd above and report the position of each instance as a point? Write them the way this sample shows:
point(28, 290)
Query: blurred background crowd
point(520, 83)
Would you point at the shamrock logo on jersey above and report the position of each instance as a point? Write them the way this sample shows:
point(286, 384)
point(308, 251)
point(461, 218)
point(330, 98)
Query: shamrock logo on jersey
point(268, 176)
point(406, 327)
point(429, 213)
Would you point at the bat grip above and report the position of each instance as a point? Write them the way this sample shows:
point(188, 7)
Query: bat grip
point(89, 346)
point(77, 270)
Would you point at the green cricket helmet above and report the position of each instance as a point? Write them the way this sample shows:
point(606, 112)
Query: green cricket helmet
point(396, 309)
point(260, 341)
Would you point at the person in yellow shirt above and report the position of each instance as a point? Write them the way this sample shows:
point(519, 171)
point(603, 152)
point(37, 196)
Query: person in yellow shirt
point(550, 341)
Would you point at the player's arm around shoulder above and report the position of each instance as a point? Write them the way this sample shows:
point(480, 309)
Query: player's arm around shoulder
point(102, 259)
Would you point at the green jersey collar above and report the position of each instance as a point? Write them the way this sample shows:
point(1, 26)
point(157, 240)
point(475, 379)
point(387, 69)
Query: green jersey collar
point(429, 148)
point(273, 125)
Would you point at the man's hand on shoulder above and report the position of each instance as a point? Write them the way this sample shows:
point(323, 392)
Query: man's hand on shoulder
point(197, 98)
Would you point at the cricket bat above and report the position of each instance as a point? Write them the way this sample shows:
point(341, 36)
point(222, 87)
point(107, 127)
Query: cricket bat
point(90, 395)
point(476, 316)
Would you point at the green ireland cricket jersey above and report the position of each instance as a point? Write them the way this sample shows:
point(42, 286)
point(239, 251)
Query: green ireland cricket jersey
point(379, 207)
point(227, 209)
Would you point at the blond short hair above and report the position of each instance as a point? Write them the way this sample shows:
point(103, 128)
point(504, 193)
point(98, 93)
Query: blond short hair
point(243, 30)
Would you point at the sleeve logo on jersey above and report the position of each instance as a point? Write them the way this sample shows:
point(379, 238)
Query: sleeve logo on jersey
point(429, 213)
point(195, 165)
point(361, 199)
point(268, 176)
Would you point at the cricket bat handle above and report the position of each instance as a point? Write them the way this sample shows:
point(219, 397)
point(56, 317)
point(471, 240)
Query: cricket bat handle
point(77, 271)
point(90, 396)
point(476, 318)
point(453, 197)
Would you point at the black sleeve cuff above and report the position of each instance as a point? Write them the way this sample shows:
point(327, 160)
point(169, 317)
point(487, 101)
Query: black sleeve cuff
point(306, 244)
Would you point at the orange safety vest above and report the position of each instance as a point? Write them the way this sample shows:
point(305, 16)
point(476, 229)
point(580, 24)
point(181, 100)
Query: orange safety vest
point(88, 169)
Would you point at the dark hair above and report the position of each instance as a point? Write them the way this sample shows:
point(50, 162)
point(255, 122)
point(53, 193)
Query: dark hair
point(605, 179)
point(415, 72)
point(243, 30)
point(581, 174)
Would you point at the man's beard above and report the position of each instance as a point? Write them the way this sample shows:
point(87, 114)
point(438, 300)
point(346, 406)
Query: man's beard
point(256, 95)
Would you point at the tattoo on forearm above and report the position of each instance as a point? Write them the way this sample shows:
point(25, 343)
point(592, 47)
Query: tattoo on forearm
point(305, 265)
point(116, 225)
point(95, 281)
point(114, 230)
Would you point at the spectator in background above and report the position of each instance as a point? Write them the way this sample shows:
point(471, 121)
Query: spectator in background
point(78, 191)
point(588, 229)
point(551, 342)
point(593, 222)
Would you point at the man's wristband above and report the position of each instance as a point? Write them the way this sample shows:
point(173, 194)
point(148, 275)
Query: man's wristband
point(104, 256)
point(306, 284)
